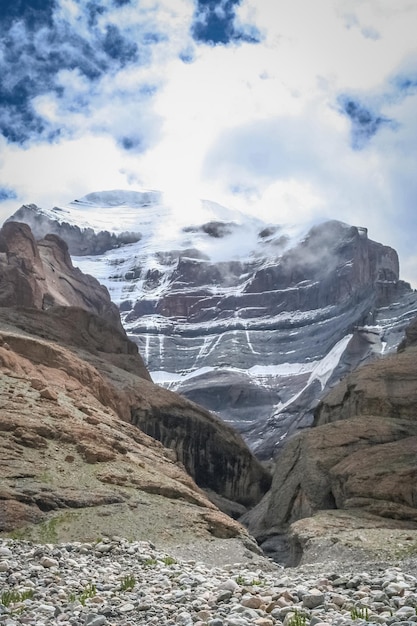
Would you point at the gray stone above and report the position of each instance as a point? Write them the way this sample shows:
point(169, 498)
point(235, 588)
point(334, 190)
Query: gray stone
point(313, 599)
point(92, 619)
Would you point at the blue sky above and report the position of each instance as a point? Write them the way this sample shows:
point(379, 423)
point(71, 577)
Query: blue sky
point(292, 110)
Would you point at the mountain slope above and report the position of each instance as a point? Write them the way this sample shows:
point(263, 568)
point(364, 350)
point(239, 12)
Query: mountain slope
point(252, 320)
point(71, 382)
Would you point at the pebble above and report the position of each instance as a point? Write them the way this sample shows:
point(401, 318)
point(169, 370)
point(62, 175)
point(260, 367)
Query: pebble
point(122, 583)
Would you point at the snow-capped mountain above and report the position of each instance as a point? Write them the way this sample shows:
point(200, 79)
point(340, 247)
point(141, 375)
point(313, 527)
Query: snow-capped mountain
point(252, 320)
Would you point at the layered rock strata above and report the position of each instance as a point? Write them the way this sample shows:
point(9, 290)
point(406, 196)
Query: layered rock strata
point(71, 382)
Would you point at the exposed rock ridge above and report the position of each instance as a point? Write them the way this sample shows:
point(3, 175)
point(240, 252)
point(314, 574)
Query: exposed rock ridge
point(71, 469)
point(80, 241)
point(293, 308)
point(333, 263)
point(245, 318)
point(41, 274)
point(359, 458)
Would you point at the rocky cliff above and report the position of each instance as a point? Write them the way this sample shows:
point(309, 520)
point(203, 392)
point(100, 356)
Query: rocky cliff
point(41, 274)
point(254, 321)
point(71, 384)
point(357, 467)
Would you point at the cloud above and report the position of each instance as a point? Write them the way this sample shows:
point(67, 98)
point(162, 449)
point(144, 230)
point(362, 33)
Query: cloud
point(292, 110)
point(308, 146)
point(215, 22)
point(58, 64)
point(7, 194)
point(349, 157)
point(365, 123)
point(34, 13)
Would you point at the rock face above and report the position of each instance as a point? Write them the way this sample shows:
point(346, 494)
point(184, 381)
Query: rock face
point(41, 275)
point(360, 457)
point(71, 383)
point(205, 447)
point(251, 320)
point(79, 240)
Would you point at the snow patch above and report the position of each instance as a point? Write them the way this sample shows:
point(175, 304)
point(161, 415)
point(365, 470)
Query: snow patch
point(325, 368)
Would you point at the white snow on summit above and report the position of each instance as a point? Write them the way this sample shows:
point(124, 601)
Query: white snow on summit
point(161, 229)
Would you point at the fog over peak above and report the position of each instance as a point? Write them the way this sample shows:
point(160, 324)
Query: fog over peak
point(290, 112)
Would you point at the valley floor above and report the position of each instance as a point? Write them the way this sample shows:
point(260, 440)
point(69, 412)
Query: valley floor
point(117, 582)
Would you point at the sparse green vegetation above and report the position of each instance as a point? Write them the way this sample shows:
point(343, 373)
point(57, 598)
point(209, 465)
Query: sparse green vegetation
point(128, 582)
point(48, 531)
point(359, 613)
point(44, 477)
point(298, 619)
point(19, 534)
point(89, 591)
point(11, 596)
point(150, 562)
point(240, 580)
point(168, 560)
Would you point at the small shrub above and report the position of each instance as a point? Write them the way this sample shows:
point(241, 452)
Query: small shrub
point(240, 580)
point(11, 596)
point(298, 619)
point(27, 594)
point(359, 613)
point(128, 582)
point(89, 592)
point(168, 560)
point(150, 562)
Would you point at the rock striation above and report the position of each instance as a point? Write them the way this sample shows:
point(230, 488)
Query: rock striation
point(359, 459)
point(251, 320)
point(71, 384)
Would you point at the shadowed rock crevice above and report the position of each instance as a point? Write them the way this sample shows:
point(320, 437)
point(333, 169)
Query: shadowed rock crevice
point(211, 454)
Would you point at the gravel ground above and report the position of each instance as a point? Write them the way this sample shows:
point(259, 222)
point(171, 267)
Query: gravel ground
point(116, 582)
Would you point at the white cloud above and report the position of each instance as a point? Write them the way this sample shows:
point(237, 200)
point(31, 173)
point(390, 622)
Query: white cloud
point(50, 175)
point(256, 127)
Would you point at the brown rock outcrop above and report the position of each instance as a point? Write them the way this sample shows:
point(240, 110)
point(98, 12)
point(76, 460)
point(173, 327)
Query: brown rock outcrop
point(70, 383)
point(360, 457)
point(41, 274)
point(70, 467)
point(49, 450)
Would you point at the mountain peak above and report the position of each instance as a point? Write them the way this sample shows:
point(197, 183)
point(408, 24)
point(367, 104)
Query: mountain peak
point(251, 319)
